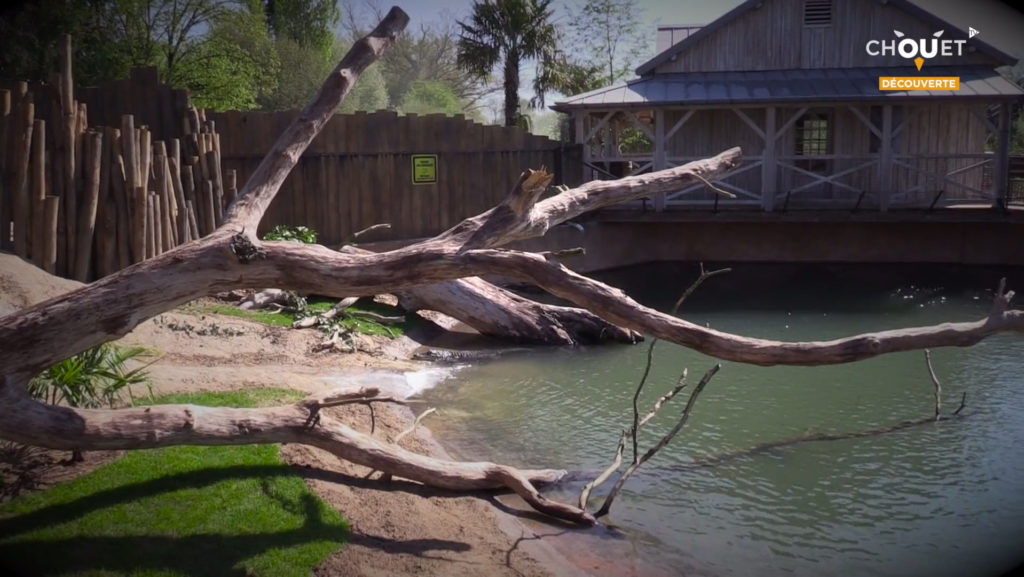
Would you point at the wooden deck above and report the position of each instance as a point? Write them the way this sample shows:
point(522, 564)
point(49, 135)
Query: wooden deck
point(958, 214)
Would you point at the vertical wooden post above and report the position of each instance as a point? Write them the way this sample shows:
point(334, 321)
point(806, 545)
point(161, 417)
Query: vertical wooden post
point(140, 216)
point(193, 222)
point(660, 160)
point(769, 161)
point(122, 196)
point(209, 208)
point(158, 226)
point(145, 152)
point(51, 206)
point(69, 110)
point(92, 154)
point(6, 127)
point(1001, 176)
point(128, 156)
point(37, 197)
point(579, 117)
point(885, 159)
point(150, 227)
point(191, 194)
point(20, 187)
point(218, 184)
point(106, 213)
point(179, 195)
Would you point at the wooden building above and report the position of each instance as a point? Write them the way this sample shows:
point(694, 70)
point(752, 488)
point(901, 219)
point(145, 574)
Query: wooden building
point(796, 83)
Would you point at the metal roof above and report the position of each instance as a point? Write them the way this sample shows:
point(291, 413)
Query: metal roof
point(781, 86)
point(905, 5)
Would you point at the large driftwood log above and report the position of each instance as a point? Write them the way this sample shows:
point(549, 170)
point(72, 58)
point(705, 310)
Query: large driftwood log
point(500, 313)
point(232, 258)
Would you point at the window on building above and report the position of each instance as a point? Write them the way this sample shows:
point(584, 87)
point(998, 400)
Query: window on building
point(813, 138)
point(817, 12)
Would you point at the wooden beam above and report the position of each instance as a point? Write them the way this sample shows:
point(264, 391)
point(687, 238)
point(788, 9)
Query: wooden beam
point(884, 183)
point(769, 162)
point(659, 153)
point(1001, 179)
point(867, 121)
point(679, 124)
point(635, 121)
point(990, 127)
point(792, 120)
point(749, 122)
point(580, 120)
point(906, 120)
point(593, 131)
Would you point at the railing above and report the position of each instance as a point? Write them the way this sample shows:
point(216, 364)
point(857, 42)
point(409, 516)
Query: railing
point(831, 181)
point(941, 180)
point(828, 181)
point(743, 181)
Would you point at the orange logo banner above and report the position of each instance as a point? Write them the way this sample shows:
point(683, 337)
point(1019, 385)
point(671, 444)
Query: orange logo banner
point(919, 83)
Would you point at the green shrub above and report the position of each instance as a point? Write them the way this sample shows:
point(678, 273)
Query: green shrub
point(301, 234)
point(99, 377)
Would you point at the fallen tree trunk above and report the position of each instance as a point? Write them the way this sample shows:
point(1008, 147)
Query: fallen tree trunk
point(500, 313)
point(232, 257)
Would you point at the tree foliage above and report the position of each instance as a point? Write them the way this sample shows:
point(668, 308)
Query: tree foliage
point(506, 33)
point(428, 55)
point(309, 23)
point(608, 35)
point(430, 96)
point(236, 65)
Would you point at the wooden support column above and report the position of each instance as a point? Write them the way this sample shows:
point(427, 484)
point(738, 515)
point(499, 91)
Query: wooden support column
point(660, 162)
point(884, 184)
point(769, 161)
point(1001, 177)
point(580, 118)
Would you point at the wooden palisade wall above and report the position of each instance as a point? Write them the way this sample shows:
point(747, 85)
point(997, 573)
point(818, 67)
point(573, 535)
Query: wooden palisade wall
point(84, 201)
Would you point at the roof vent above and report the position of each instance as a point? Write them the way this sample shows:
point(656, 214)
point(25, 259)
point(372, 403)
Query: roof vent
point(817, 12)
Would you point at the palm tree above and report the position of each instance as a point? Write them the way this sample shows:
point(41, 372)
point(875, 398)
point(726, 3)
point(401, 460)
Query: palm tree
point(506, 31)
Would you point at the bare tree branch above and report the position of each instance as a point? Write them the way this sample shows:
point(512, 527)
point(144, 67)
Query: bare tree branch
point(606, 506)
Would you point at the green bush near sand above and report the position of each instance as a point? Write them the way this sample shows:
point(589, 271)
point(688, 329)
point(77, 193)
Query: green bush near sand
point(320, 305)
point(179, 511)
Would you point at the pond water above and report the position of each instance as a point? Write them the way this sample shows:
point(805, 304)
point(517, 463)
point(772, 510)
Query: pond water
point(940, 499)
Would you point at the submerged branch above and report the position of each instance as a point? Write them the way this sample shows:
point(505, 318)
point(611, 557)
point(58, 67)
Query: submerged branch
point(660, 445)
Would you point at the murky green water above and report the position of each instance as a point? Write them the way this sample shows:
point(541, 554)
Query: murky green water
point(940, 499)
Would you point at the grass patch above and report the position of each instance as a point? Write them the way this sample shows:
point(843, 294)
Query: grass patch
point(179, 511)
point(320, 305)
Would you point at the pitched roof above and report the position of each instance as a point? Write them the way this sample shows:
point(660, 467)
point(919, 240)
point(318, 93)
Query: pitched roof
point(782, 86)
point(905, 5)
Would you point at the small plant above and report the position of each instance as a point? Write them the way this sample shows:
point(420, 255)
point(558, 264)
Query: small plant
point(99, 377)
point(300, 234)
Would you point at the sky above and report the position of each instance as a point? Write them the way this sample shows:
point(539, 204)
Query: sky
point(998, 23)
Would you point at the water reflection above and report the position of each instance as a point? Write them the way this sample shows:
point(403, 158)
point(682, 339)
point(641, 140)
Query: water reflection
point(941, 499)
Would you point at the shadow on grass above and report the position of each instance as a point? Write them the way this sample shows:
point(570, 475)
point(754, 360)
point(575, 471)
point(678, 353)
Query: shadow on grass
point(214, 554)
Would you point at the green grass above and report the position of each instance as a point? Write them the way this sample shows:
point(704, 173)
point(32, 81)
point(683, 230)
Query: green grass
point(180, 511)
point(365, 326)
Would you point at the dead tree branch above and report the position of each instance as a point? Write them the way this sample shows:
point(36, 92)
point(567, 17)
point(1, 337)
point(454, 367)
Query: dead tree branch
point(606, 506)
point(935, 381)
point(35, 338)
point(704, 275)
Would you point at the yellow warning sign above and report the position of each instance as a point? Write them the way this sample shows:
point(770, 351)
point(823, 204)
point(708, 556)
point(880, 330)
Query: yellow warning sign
point(424, 168)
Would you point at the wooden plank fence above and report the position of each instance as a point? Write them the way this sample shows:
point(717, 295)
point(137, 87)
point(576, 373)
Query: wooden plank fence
point(358, 171)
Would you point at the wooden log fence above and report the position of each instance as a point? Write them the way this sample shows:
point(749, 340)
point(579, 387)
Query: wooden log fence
point(85, 201)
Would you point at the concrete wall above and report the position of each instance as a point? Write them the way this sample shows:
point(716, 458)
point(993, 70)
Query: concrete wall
point(987, 241)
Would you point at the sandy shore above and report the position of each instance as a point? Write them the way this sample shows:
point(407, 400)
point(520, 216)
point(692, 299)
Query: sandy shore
point(398, 528)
